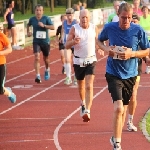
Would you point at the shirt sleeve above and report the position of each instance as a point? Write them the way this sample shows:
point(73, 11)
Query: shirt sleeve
point(103, 36)
point(49, 21)
point(143, 42)
point(29, 23)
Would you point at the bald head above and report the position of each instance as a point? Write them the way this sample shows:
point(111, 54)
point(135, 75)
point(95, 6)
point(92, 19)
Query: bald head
point(84, 18)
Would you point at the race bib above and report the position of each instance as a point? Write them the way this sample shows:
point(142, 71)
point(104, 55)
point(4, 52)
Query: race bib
point(12, 16)
point(86, 61)
point(41, 35)
point(117, 49)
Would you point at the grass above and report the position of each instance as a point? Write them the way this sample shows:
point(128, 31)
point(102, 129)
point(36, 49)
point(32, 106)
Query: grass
point(148, 124)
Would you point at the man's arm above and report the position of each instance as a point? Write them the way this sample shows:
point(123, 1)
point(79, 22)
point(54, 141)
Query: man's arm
point(71, 38)
point(5, 14)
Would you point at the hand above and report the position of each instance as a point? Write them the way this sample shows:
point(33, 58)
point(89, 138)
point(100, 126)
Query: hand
point(126, 54)
point(29, 34)
point(41, 24)
point(101, 52)
point(77, 40)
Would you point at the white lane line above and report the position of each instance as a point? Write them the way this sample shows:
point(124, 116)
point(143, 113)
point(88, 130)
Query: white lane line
point(11, 62)
point(3, 112)
point(20, 141)
point(29, 72)
point(31, 118)
point(19, 59)
point(55, 136)
point(55, 100)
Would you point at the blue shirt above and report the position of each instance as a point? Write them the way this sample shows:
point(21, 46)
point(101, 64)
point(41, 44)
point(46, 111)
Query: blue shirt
point(67, 28)
point(37, 29)
point(133, 38)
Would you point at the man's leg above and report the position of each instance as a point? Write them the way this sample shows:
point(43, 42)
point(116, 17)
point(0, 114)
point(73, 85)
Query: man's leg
point(132, 106)
point(89, 79)
point(117, 122)
point(62, 56)
point(68, 66)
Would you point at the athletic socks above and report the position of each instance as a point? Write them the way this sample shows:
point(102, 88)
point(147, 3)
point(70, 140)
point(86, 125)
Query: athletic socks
point(130, 118)
point(68, 70)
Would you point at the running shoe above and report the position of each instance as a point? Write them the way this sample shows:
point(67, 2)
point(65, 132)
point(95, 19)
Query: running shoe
point(147, 70)
point(68, 81)
point(16, 47)
point(82, 109)
point(47, 75)
point(38, 80)
point(86, 116)
point(12, 96)
point(75, 81)
point(131, 127)
point(63, 70)
point(116, 146)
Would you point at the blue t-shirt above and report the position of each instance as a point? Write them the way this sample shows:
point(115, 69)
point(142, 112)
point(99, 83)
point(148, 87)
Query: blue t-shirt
point(40, 34)
point(67, 28)
point(133, 37)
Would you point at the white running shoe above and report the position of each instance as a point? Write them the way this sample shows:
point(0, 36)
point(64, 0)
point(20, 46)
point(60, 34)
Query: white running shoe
point(86, 116)
point(131, 127)
point(16, 47)
point(116, 146)
point(68, 81)
point(147, 70)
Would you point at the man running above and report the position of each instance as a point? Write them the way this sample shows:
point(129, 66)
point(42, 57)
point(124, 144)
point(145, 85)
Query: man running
point(82, 37)
point(5, 49)
point(66, 26)
point(121, 71)
point(41, 41)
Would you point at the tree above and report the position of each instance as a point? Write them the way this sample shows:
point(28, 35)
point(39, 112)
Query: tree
point(68, 4)
point(34, 3)
point(52, 6)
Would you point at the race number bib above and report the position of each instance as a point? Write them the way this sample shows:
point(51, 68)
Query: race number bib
point(12, 16)
point(118, 49)
point(41, 35)
point(86, 61)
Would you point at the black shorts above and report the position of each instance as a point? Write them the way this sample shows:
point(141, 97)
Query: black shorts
point(10, 26)
point(61, 46)
point(2, 77)
point(120, 89)
point(81, 72)
point(45, 48)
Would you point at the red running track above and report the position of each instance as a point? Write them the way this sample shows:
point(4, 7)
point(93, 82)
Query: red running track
point(46, 116)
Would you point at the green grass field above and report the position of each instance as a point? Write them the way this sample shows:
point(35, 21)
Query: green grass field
point(148, 124)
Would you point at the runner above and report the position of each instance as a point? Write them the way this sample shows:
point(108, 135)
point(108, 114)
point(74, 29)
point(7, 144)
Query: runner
point(61, 45)
point(145, 24)
point(9, 19)
point(66, 26)
point(133, 99)
point(41, 41)
point(5, 49)
point(121, 70)
point(82, 37)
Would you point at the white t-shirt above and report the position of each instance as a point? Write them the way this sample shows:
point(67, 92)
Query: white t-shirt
point(115, 18)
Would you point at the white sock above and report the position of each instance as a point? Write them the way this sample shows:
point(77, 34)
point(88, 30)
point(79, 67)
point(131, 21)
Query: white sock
point(88, 111)
point(130, 118)
point(37, 75)
point(48, 69)
point(82, 102)
point(117, 140)
point(68, 70)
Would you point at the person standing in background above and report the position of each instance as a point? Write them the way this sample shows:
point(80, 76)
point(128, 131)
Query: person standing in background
point(9, 19)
